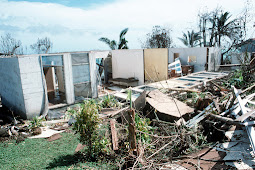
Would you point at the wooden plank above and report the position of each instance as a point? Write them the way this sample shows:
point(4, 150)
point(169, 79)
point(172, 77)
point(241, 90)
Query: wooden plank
point(114, 135)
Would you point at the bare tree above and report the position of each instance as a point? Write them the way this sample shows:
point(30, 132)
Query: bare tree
point(10, 46)
point(159, 38)
point(42, 46)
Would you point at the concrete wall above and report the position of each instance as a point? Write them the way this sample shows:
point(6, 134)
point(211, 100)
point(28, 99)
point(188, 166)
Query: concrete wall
point(156, 64)
point(32, 84)
point(10, 85)
point(214, 59)
point(128, 63)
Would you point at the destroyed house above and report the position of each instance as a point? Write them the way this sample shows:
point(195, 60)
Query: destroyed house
point(29, 84)
point(32, 84)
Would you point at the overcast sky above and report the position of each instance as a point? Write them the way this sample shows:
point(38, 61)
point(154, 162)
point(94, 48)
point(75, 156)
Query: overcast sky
point(76, 25)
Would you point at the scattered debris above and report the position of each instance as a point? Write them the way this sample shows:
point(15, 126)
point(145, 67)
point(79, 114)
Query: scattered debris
point(46, 133)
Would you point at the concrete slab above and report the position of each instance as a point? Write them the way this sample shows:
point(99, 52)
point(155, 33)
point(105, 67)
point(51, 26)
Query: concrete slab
point(166, 105)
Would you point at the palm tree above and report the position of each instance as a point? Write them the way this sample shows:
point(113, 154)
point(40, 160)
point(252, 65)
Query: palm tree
point(225, 27)
point(122, 44)
point(191, 39)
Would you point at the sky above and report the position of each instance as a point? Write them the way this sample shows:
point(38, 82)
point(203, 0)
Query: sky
point(76, 25)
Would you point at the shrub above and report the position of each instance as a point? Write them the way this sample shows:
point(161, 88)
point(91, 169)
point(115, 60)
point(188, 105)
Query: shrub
point(87, 125)
point(108, 101)
point(36, 122)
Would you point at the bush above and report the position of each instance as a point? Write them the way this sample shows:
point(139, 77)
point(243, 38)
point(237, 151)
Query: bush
point(87, 125)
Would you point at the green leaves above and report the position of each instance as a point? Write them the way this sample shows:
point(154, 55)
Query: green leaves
point(122, 44)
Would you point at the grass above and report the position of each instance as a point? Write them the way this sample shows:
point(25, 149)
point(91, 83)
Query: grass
point(41, 154)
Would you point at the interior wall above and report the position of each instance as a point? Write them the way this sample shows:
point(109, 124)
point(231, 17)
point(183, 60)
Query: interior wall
point(10, 85)
point(156, 64)
point(128, 63)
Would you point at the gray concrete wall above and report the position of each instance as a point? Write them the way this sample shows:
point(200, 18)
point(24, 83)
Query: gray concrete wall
point(10, 85)
point(32, 84)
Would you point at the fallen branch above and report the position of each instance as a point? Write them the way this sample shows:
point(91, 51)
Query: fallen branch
point(225, 119)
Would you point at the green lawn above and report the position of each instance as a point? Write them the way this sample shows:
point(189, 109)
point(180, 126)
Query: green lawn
point(41, 154)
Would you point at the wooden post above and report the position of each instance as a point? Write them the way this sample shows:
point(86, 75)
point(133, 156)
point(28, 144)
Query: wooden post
point(114, 135)
point(131, 131)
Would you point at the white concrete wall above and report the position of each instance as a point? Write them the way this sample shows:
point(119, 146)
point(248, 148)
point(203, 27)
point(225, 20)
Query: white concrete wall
point(128, 63)
point(32, 84)
point(10, 85)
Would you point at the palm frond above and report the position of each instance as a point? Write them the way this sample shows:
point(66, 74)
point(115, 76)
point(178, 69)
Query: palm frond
point(123, 33)
point(105, 40)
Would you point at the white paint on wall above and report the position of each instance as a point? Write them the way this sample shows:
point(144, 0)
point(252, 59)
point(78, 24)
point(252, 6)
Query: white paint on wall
point(128, 63)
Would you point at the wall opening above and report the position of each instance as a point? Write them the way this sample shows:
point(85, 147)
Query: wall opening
point(54, 76)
